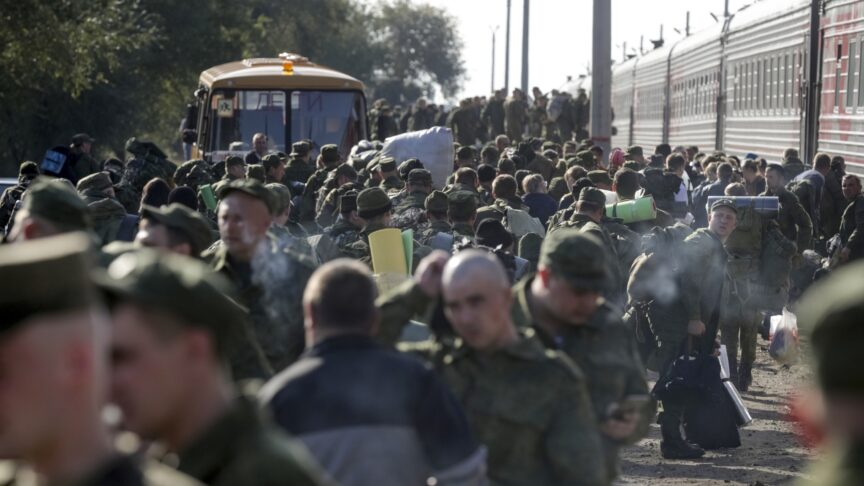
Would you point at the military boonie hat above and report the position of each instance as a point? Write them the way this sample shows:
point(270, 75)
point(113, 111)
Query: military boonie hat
point(180, 218)
point(330, 154)
point(56, 201)
point(725, 203)
point(372, 202)
point(593, 196)
point(599, 177)
point(283, 196)
point(634, 151)
point(44, 276)
point(348, 202)
point(299, 149)
point(250, 187)
point(182, 286)
point(420, 176)
point(98, 182)
point(830, 313)
point(387, 164)
point(577, 257)
point(436, 202)
point(407, 166)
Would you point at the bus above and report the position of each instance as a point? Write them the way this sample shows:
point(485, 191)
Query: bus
point(287, 98)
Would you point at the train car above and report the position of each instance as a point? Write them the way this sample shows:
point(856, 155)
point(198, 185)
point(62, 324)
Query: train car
point(766, 64)
point(651, 77)
point(622, 102)
point(695, 67)
point(841, 114)
point(288, 98)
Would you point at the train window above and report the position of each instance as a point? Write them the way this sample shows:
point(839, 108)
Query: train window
point(786, 76)
point(850, 76)
point(837, 77)
point(861, 74)
point(760, 84)
point(771, 84)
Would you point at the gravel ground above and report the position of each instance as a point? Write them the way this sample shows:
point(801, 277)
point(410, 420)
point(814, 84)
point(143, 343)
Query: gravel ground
point(770, 451)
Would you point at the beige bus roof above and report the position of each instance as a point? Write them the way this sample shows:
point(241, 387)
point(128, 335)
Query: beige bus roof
point(268, 73)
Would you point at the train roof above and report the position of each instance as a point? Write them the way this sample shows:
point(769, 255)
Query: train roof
point(760, 11)
point(270, 73)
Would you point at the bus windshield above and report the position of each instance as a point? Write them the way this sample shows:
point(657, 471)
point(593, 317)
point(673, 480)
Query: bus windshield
point(324, 117)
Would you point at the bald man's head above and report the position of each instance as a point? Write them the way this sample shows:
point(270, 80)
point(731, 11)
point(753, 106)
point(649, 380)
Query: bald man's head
point(477, 300)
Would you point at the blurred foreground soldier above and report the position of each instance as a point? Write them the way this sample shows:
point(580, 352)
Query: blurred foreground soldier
point(694, 315)
point(563, 304)
point(26, 173)
point(830, 312)
point(269, 279)
point(551, 439)
point(50, 207)
point(173, 327)
point(110, 221)
point(852, 224)
point(369, 415)
point(53, 344)
point(174, 228)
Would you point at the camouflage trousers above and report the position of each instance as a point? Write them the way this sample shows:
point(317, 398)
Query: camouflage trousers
point(739, 321)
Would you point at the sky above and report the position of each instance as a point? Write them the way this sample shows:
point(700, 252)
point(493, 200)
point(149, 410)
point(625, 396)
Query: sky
point(560, 35)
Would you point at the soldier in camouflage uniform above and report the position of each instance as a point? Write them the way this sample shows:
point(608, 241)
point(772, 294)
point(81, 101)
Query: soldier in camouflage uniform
point(436, 220)
point(344, 232)
point(26, 173)
point(328, 160)
point(411, 212)
point(110, 221)
point(299, 168)
point(341, 180)
point(235, 169)
point(289, 234)
point(562, 303)
point(462, 211)
point(149, 163)
point(269, 279)
point(504, 191)
point(390, 181)
point(551, 439)
point(50, 207)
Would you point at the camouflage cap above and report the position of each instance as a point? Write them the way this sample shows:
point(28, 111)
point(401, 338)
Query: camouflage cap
point(299, 149)
point(372, 202)
point(56, 201)
point(256, 172)
point(234, 160)
point(44, 276)
point(436, 202)
point(252, 188)
point(95, 183)
point(184, 220)
point(634, 151)
point(283, 196)
point(330, 154)
point(407, 166)
point(576, 257)
point(599, 177)
point(830, 313)
point(725, 202)
point(345, 170)
point(529, 247)
point(461, 202)
point(182, 286)
point(593, 195)
point(271, 160)
point(348, 202)
point(420, 176)
point(387, 164)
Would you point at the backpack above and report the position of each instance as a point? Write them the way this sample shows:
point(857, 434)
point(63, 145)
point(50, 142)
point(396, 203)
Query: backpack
point(806, 194)
point(663, 187)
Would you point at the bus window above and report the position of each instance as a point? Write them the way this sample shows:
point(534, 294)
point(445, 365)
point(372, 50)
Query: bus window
point(325, 117)
point(238, 115)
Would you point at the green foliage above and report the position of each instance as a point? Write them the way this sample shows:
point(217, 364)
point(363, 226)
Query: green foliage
point(123, 68)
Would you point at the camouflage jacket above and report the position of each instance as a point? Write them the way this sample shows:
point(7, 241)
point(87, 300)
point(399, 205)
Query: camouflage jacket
point(7, 202)
point(606, 352)
point(298, 170)
point(428, 230)
point(392, 184)
point(411, 211)
point(552, 439)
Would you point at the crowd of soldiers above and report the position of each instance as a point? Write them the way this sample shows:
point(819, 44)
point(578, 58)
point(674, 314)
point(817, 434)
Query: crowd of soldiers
point(249, 344)
point(556, 116)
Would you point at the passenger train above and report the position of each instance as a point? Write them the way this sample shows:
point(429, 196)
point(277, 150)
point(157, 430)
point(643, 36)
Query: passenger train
point(776, 74)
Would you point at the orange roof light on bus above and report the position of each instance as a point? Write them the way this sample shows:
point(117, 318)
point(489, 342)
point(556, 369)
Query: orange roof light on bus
point(288, 68)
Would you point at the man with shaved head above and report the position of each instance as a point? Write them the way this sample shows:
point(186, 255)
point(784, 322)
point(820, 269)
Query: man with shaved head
point(550, 439)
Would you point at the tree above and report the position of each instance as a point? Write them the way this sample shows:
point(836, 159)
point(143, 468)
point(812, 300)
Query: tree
point(420, 48)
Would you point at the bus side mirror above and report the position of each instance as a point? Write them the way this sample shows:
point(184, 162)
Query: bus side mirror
point(200, 93)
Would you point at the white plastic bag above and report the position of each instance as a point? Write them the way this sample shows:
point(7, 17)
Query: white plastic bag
point(434, 148)
point(784, 339)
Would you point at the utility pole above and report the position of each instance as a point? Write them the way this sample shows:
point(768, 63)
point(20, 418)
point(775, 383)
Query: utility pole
point(601, 77)
point(726, 9)
point(507, 54)
point(526, 8)
point(492, 88)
